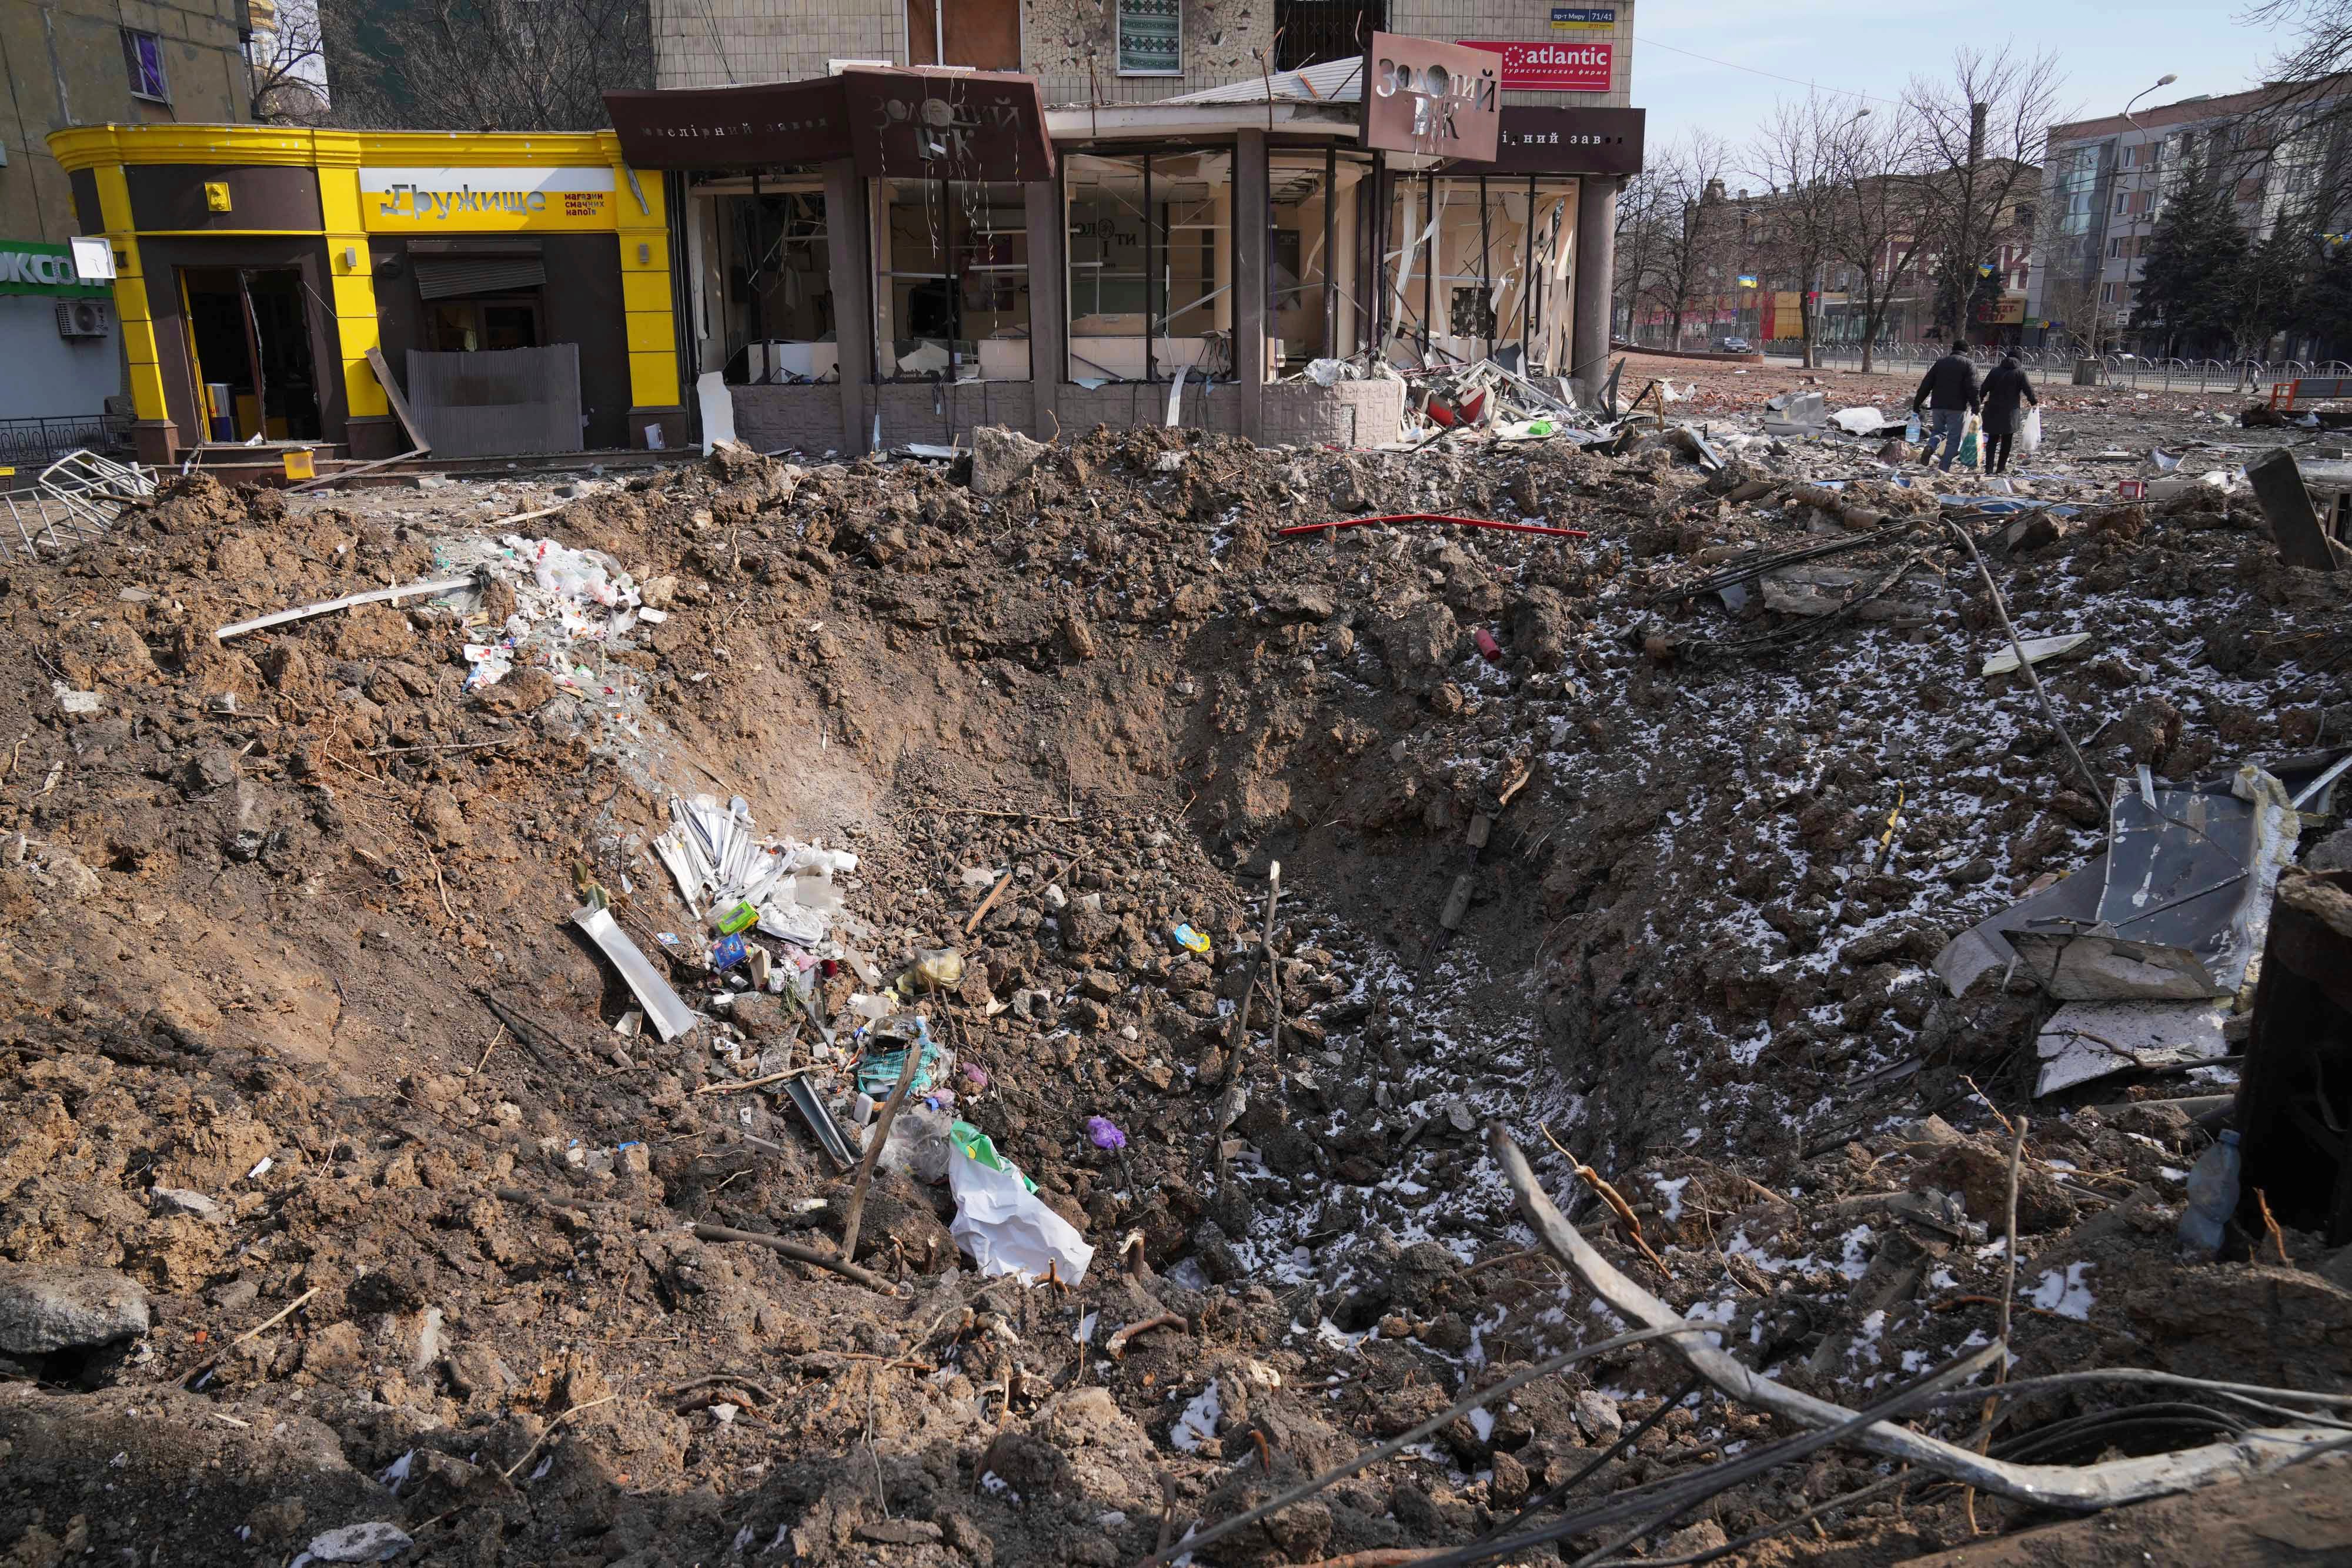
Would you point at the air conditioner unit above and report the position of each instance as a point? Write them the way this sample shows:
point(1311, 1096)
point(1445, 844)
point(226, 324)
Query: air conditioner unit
point(81, 318)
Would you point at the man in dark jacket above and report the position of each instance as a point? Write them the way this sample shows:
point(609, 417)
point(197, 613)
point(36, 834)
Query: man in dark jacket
point(2002, 390)
point(1949, 391)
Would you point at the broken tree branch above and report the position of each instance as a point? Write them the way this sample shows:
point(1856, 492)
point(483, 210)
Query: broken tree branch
point(798, 1253)
point(855, 1216)
point(1116, 1347)
point(2084, 1489)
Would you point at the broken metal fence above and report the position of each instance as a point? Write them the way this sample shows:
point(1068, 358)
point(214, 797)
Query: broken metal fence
point(2138, 372)
point(76, 499)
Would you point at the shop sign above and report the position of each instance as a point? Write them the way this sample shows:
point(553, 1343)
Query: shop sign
point(942, 125)
point(1583, 18)
point(1431, 97)
point(28, 267)
point(424, 200)
point(1553, 67)
point(974, 125)
point(1546, 139)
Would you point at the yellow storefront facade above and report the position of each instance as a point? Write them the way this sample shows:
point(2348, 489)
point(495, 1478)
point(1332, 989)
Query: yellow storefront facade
point(517, 287)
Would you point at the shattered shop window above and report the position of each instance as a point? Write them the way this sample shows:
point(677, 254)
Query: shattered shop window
point(142, 58)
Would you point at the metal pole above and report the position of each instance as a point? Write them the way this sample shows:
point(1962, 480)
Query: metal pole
point(1372, 301)
point(751, 272)
point(1151, 327)
point(1330, 255)
point(1486, 279)
point(1528, 282)
point(1429, 269)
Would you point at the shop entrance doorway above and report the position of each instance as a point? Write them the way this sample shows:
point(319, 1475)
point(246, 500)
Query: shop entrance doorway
point(249, 341)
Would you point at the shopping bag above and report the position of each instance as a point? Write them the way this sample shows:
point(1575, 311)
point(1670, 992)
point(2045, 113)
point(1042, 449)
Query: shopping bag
point(1004, 1227)
point(1970, 435)
point(2028, 434)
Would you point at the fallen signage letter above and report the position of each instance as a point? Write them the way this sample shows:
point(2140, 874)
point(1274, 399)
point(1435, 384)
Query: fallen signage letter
point(672, 1017)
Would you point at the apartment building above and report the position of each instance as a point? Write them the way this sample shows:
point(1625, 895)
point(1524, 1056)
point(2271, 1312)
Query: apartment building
point(2107, 181)
point(1132, 52)
point(74, 62)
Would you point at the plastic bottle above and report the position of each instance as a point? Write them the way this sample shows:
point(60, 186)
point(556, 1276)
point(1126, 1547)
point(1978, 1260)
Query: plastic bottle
point(1911, 429)
point(2212, 1198)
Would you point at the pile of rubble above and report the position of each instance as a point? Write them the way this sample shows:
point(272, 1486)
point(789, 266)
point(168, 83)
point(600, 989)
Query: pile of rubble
point(445, 1043)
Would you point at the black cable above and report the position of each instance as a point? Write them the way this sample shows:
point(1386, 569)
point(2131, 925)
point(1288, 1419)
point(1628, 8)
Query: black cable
point(1684, 1493)
point(1552, 1499)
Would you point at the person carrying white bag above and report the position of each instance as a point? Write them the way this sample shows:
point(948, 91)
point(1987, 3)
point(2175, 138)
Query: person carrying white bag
point(2004, 390)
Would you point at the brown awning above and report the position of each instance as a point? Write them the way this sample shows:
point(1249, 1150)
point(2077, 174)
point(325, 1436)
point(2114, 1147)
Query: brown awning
point(952, 125)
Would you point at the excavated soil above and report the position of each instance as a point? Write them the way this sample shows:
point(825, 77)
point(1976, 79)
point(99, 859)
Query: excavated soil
point(302, 898)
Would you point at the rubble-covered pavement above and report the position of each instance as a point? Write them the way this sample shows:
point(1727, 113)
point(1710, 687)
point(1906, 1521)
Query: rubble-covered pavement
point(349, 1178)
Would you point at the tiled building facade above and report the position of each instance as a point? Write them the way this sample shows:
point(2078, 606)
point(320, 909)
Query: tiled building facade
point(1098, 51)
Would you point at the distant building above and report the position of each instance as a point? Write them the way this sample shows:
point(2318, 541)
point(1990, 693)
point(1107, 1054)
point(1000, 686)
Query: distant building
point(2107, 182)
point(157, 62)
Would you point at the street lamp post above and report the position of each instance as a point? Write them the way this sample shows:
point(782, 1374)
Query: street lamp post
point(2123, 312)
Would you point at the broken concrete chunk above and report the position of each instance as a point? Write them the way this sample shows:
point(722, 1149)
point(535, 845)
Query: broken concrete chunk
point(1596, 1416)
point(171, 1200)
point(374, 1542)
point(1000, 457)
point(44, 1311)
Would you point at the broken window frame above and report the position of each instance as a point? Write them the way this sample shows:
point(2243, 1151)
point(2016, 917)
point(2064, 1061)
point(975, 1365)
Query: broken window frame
point(1330, 264)
point(1157, 274)
point(796, 200)
point(1413, 264)
point(949, 208)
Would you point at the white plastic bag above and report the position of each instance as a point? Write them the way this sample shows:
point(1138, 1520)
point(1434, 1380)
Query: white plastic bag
point(1007, 1231)
point(2028, 434)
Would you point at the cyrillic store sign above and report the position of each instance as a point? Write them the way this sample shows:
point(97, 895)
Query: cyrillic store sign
point(28, 267)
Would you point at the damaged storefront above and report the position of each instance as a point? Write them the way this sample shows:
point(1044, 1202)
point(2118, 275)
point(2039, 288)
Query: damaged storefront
point(516, 288)
point(888, 256)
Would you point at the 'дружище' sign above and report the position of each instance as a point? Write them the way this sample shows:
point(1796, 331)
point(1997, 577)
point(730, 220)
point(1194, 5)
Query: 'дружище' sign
point(415, 200)
point(1422, 96)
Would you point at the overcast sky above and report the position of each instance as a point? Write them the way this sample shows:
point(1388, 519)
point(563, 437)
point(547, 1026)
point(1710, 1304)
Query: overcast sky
point(1867, 47)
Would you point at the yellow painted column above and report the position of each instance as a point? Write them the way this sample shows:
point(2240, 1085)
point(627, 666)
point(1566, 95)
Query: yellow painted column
point(352, 271)
point(641, 220)
point(142, 363)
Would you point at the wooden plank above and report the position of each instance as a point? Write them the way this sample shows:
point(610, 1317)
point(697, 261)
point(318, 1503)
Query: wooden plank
point(399, 403)
point(342, 473)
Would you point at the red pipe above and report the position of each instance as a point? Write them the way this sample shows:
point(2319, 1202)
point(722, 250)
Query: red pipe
point(1433, 517)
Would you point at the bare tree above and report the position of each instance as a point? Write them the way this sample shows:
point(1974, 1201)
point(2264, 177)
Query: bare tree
point(1981, 137)
point(1801, 154)
point(486, 65)
point(1636, 247)
point(1881, 225)
point(1694, 227)
point(289, 66)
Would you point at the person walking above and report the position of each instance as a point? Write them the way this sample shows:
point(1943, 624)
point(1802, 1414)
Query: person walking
point(1948, 391)
point(2002, 391)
